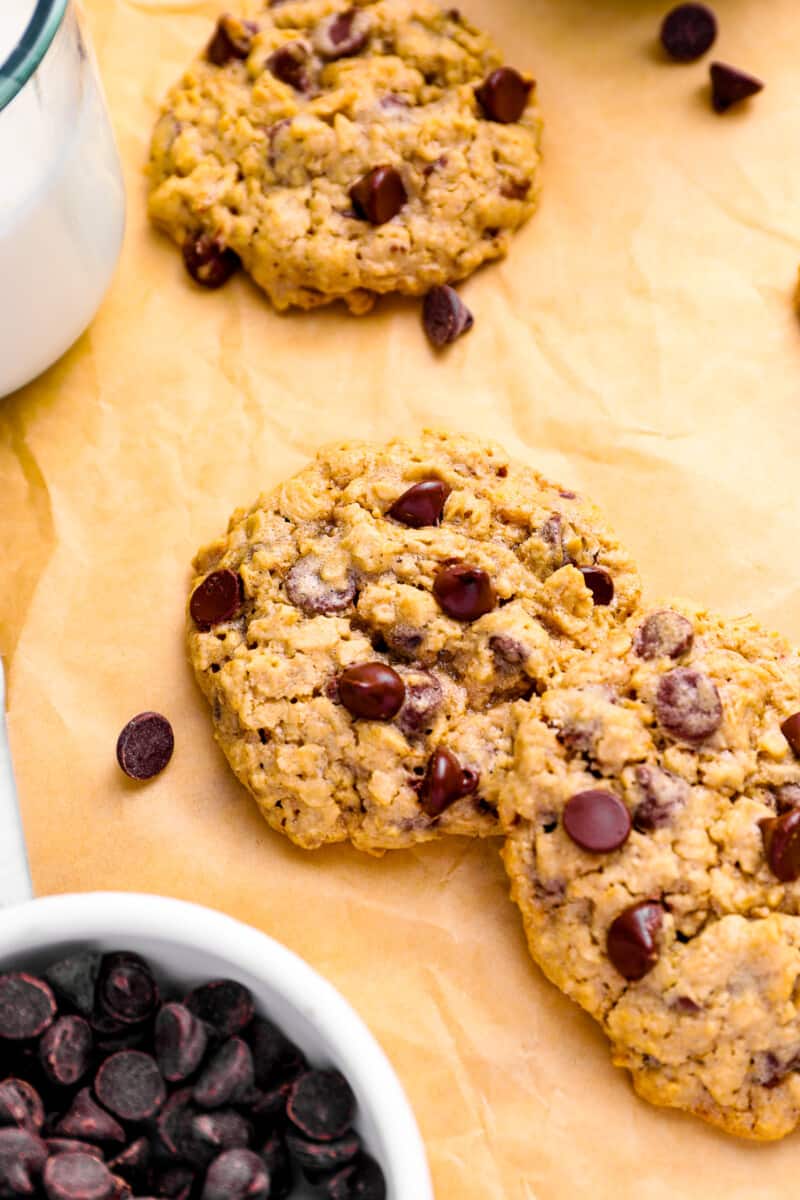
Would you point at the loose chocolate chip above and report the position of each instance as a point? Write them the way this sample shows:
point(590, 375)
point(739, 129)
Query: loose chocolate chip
point(56, 1145)
point(599, 583)
point(503, 95)
point(421, 505)
point(178, 1183)
point(321, 1105)
point(126, 990)
point(597, 821)
point(73, 979)
point(445, 782)
point(237, 1175)
point(21, 1105)
point(290, 64)
point(27, 1006)
point(362, 1180)
point(133, 1161)
point(224, 1004)
point(664, 634)
point(423, 700)
point(465, 593)
point(445, 316)
point(129, 1084)
point(688, 31)
point(379, 195)
point(218, 598)
point(180, 1042)
point(278, 1164)
point(145, 746)
point(309, 592)
point(65, 1051)
point(632, 941)
point(232, 39)
point(787, 797)
point(212, 1132)
point(89, 1122)
point(730, 86)
point(229, 1076)
point(663, 795)
point(688, 705)
point(174, 1124)
point(22, 1157)
point(782, 845)
point(317, 1158)
point(343, 34)
point(78, 1177)
point(275, 1057)
point(209, 261)
point(372, 691)
point(271, 1103)
point(791, 731)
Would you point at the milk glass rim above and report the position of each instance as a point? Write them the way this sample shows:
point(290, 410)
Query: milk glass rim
point(31, 48)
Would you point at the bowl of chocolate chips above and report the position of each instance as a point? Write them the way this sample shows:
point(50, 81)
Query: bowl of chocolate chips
point(153, 1048)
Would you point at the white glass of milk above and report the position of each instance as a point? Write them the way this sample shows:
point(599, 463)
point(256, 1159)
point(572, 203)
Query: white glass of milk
point(62, 202)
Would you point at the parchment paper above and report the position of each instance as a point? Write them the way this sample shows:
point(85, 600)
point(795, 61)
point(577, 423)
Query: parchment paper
point(639, 345)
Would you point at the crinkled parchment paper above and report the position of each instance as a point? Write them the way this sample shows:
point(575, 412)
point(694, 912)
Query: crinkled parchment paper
point(639, 344)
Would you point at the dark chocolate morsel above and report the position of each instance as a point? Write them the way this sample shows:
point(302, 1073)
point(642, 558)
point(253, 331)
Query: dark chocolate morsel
point(632, 940)
point(87, 1121)
point(688, 31)
point(209, 261)
point(664, 634)
point(662, 796)
point(130, 1086)
point(177, 1183)
point(65, 1051)
point(21, 1105)
point(688, 705)
point(445, 316)
point(209, 1133)
point(308, 591)
point(126, 989)
point(465, 593)
point(379, 195)
point(279, 1166)
point(597, 821)
point(22, 1158)
point(290, 63)
point(503, 95)
point(320, 1157)
point(787, 796)
point(218, 598)
point(362, 1180)
point(420, 505)
point(73, 979)
point(134, 1160)
point(600, 584)
point(730, 86)
point(58, 1145)
point(27, 1006)
point(791, 731)
point(422, 701)
point(145, 746)
point(782, 845)
point(78, 1177)
point(180, 1042)
point(237, 1175)
point(372, 691)
point(275, 1057)
point(343, 34)
point(233, 38)
point(227, 1077)
point(321, 1105)
point(445, 781)
point(224, 1004)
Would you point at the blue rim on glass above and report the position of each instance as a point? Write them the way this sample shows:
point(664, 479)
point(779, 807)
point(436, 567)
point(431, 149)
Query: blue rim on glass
point(31, 49)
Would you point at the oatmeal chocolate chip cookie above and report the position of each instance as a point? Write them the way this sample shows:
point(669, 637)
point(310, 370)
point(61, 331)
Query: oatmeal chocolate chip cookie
point(365, 634)
point(342, 151)
point(653, 814)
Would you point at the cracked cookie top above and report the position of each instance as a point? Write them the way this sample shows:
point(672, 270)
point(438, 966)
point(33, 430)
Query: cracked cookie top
point(340, 151)
point(367, 633)
point(654, 828)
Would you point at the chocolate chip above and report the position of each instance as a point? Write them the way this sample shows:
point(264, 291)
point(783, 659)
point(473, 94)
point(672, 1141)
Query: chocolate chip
point(218, 598)
point(65, 1051)
point(88, 1121)
point(174, 1124)
point(632, 941)
point(309, 592)
point(57, 1145)
point(688, 705)
point(224, 1004)
point(791, 731)
point(787, 797)
point(503, 95)
point(130, 1086)
point(212, 1132)
point(730, 86)
point(237, 1175)
point(22, 1158)
point(664, 634)
point(379, 195)
point(145, 746)
point(404, 640)
point(343, 34)
point(465, 593)
point(176, 1182)
point(233, 39)
point(228, 1076)
point(180, 1042)
point(272, 1103)
point(321, 1105)
point(275, 1057)
point(133, 1161)
point(421, 505)
point(597, 821)
point(126, 989)
point(782, 845)
point(290, 64)
point(507, 650)
point(445, 316)
point(27, 1006)
point(363, 1180)
point(663, 795)
point(445, 781)
point(319, 1157)
point(372, 691)
point(423, 700)
point(78, 1177)
point(73, 979)
point(209, 261)
point(599, 583)
point(688, 31)
point(278, 1164)
point(685, 1005)
point(21, 1105)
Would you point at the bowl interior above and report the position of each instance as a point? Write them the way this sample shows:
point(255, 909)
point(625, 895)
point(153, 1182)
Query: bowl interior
point(186, 945)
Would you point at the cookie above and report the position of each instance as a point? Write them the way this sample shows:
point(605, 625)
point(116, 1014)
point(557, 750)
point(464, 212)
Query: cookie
point(653, 815)
point(366, 633)
point(344, 152)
